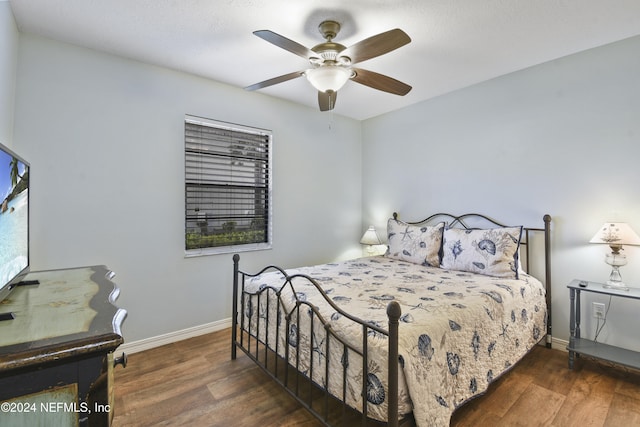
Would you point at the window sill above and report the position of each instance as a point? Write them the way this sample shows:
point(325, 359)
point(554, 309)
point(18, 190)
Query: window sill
point(191, 253)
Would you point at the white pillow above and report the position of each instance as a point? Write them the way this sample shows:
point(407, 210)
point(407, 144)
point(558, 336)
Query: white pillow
point(419, 244)
point(492, 252)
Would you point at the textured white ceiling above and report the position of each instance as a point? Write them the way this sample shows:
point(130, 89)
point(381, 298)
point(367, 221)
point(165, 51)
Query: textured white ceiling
point(455, 43)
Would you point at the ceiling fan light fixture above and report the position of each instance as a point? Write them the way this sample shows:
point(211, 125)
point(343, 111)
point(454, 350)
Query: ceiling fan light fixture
point(328, 77)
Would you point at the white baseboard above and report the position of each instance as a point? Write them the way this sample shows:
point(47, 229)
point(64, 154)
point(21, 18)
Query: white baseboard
point(207, 328)
point(558, 344)
point(171, 337)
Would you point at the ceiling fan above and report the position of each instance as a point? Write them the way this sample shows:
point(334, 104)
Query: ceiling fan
point(332, 63)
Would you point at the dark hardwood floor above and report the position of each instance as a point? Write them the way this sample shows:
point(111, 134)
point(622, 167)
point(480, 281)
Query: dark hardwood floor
point(194, 382)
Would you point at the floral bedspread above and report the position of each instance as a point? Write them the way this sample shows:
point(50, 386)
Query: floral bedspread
point(458, 331)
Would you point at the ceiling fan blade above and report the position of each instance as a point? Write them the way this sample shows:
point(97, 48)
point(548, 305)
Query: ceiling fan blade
point(275, 80)
point(285, 43)
point(380, 82)
point(327, 100)
point(376, 45)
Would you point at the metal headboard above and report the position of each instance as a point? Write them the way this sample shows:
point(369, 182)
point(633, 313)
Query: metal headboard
point(474, 221)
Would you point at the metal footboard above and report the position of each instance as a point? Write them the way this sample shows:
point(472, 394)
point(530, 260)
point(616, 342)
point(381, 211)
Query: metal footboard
point(283, 365)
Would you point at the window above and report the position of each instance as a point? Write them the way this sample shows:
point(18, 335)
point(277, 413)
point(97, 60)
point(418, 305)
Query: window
point(227, 187)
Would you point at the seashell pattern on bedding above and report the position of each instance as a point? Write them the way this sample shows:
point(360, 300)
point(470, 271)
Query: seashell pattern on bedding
point(458, 330)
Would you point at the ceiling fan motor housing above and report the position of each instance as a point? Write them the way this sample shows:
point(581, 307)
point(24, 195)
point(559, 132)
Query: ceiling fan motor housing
point(329, 50)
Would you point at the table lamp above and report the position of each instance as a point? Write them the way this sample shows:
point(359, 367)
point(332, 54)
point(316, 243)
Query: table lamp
point(616, 234)
point(370, 238)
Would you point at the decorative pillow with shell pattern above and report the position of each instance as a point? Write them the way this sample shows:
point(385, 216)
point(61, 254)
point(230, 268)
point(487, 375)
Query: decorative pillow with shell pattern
point(492, 252)
point(415, 243)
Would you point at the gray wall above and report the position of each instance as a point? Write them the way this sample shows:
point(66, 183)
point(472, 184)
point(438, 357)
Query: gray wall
point(8, 64)
point(105, 138)
point(561, 138)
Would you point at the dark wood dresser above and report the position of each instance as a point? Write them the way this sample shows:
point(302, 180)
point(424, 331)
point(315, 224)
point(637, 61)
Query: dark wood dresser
point(57, 354)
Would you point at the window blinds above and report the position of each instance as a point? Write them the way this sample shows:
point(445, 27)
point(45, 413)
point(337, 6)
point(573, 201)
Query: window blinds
point(227, 183)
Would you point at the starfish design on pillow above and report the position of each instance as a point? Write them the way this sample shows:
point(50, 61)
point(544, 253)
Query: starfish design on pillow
point(406, 233)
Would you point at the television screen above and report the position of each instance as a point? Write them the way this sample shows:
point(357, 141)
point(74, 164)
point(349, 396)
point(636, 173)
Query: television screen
point(14, 220)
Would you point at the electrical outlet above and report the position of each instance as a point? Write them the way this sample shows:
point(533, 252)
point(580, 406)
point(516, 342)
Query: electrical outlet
point(598, 310)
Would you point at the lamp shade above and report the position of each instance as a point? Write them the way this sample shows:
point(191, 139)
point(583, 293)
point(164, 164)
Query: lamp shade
point(616, 234)
point(328, 77)
point(370, 237)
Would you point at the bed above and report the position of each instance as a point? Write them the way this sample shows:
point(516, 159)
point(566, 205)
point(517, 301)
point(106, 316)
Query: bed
point(403, 338)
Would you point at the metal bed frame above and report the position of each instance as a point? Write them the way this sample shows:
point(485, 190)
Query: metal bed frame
point(314, 397)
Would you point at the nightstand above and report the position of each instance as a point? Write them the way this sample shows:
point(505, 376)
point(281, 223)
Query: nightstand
point(578, 345)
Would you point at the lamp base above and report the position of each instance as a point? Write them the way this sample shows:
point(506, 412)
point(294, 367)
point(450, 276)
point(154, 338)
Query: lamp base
point(616, 260)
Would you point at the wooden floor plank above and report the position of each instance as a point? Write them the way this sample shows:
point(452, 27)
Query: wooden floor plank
point(589, 399)
point(528, 410)
point(624, 411)
point(194, 382)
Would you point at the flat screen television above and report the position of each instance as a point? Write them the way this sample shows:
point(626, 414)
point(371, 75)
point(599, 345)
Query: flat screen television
point(14, 221)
